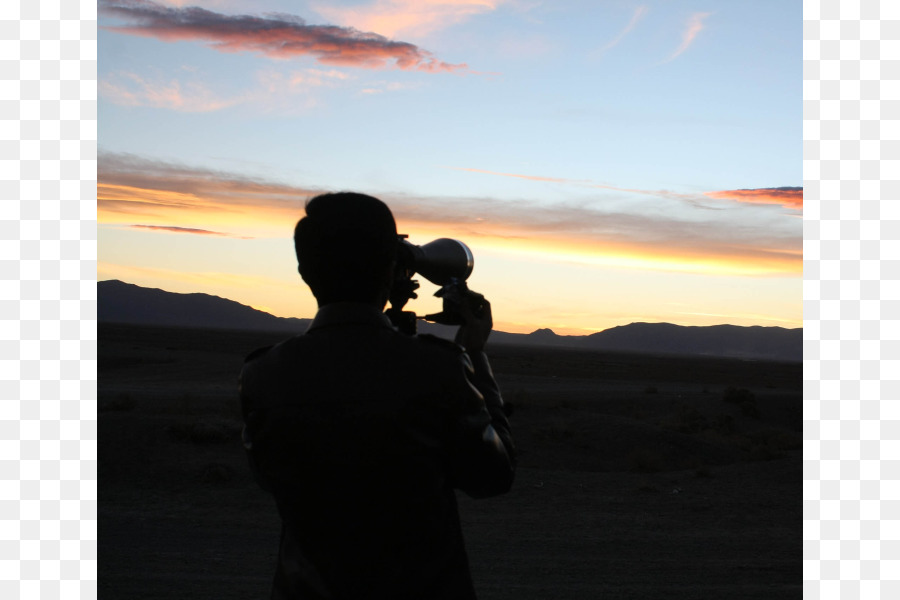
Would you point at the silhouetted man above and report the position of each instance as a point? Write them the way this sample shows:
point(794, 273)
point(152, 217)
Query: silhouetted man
point(362, 433)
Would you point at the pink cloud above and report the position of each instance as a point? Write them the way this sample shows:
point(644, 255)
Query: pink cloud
point(276, 36)
point(132, 90)
point(639, 13)
point(694, 200)
point(694, 27)
point(191, 230)
point(788, 197)
point(163, 194)
point(410, 17)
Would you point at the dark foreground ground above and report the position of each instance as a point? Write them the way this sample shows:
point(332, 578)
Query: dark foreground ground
point(640, 477)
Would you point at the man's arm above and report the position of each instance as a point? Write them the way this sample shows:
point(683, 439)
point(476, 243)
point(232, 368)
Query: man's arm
point(486, 460)
point(247, 380)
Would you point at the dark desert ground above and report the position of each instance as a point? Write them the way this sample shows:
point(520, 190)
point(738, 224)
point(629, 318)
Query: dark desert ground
point(639, 476)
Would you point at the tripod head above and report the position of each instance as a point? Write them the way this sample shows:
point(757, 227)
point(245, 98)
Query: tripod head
point(445, 262)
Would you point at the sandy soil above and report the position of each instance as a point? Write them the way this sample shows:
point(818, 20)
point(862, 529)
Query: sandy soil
point(640, 476)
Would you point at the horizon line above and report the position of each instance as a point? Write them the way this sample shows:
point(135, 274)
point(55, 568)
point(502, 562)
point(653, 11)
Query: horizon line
point(539, 328)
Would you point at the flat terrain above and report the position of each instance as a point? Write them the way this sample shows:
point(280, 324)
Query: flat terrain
point(639, 476)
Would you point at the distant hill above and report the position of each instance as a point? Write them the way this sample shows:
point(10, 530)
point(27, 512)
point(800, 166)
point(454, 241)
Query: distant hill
point(122, 302)
point(718, 340)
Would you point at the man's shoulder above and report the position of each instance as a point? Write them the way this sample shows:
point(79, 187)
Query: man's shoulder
point(420, 347)
point(258, 353)
point(265, 354)
point(441, 351)
point(439, 344)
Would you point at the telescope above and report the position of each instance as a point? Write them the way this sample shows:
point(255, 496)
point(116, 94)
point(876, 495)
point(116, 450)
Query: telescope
point(444, 262)
point(440, 261)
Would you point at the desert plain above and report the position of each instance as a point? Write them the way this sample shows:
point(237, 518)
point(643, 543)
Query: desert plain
point(640, 476)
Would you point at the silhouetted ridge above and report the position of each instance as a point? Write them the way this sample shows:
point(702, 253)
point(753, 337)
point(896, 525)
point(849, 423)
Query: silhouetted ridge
point(122, 302)
point(543, 333)
point(715, 340)
point(127, 303)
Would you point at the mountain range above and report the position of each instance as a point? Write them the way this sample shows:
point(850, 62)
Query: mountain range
point(121, 302)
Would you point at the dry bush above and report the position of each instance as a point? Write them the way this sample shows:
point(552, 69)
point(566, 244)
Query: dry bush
point(646, 460)
point(555, 433)
point(745, 400)
point(217, 473)
point(769, 444)
point(122, 402)
point(209, 429)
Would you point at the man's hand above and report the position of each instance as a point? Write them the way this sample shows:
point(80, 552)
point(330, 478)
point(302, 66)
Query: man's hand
point(477, 322)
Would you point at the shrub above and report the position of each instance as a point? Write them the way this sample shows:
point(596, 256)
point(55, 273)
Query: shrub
point(122, 401)
point(216, 473)
point(207, 430)
point(724, 424)
point(556, 433)
point(738, 395)
point(745, 400)
point(644, 460)
point(691, 420)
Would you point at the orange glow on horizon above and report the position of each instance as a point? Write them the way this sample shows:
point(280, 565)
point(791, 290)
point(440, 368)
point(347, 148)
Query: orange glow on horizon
point(516, 248)
point(163, 208)
point(751, 262)
point(123, 204)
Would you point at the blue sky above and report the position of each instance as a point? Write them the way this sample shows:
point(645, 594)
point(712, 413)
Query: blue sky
point(651, 148)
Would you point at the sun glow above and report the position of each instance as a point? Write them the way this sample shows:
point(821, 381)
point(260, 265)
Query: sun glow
point(751, 263)
point(549, 268)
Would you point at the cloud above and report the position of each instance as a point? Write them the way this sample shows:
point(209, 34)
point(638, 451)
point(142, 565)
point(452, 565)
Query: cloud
point(380, 87)
point(618, 238)
point(528, 177)
point(168, 195)
point(695, 200)
point(192, 230)
point(280, 92)
point(694, 27)
point(129, 89)
point(410, 17)
point(788, 197)
point(639, 13)
point(277, 36)
point(131, 188)
point(288, 92)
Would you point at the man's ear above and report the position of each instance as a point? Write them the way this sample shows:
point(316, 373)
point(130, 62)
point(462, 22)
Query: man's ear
point(303, 275)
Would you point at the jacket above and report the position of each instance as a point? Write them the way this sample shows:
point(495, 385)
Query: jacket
point(362, 434)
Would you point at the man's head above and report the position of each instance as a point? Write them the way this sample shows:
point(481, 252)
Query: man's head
point(346, 248)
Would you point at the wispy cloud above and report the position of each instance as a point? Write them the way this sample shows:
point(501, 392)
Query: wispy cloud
point(129, 89)
point(693, 29)
point(272, 91)
point(639, 13)
point(167, 195)
point(588, 233)
point(695, 200)
point(278, 36)
point(408, 17)
point(191, 230)
point(381, 87)
point(788, 197)
point(528, 177)
point(131, 188)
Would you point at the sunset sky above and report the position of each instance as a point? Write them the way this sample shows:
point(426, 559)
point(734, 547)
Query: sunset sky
point(607, 161)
